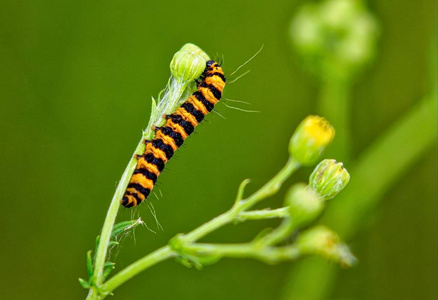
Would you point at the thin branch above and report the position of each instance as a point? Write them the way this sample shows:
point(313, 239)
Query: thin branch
point(265, 254)
point(263, 214)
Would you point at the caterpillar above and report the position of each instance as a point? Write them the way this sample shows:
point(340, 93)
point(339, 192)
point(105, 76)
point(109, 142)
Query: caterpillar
point(169, 137)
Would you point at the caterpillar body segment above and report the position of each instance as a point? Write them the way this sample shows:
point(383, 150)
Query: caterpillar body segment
point(169, 137)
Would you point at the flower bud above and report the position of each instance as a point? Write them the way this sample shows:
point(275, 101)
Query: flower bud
point(320, 240)
point(329, 178)
point(310, 139)
point(335, 37)
point(304, 204)
point(188, 63)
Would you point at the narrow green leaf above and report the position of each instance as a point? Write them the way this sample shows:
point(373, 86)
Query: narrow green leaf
point(112, 243)
point(89, 264)
point(154, 106)
point(97, 242)
point(109, 264)
point(84, 283)
point(107, 272)
point(241, 190)
point(123, 226)
point(109, 267)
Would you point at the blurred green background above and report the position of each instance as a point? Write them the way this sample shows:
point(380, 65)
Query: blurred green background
point(75, 84)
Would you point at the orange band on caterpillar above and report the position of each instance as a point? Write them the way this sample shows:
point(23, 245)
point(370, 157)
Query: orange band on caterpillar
point(172, 134)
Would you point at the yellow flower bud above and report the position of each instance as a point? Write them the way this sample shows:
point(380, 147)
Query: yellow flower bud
point(188, 63)
point(329, 178)
point(310, 139)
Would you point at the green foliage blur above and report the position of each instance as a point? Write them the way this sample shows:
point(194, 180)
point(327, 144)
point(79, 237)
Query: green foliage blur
point(76, 79)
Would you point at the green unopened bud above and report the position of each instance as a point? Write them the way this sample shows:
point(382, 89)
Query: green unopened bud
point(304, 205)
point(329, 178)
point(335, 37)
point(188, 63)
point(310, 139)
point(320, 240)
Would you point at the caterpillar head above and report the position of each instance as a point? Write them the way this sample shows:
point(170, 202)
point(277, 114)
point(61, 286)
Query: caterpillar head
point(210, 63)
point(211, 66)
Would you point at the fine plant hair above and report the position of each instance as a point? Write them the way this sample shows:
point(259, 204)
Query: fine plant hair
point(303, 203)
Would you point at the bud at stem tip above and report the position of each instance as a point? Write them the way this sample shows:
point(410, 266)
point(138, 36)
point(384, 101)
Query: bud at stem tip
point(310, 139)
point(188, 63)
point(304, 204)
point(329, 178)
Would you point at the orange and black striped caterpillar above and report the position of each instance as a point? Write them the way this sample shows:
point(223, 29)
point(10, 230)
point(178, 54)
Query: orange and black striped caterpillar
point(172, 134)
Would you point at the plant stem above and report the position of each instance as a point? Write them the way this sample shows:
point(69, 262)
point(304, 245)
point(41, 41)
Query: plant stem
point(270, 188)
point(169, 101)
point(137, 267)
point(334, 105)
point(266, 254)
point(381, 165)
point(264, 214)
point(278, 234)
point(166, 252)
point(210, 226)
point(112, 214)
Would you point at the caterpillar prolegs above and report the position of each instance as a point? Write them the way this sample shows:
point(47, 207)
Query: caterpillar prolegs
point(172, 134)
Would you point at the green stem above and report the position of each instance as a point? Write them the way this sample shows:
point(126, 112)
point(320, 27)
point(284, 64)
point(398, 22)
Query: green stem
point(278, 234)
point(111, 216)
point(334, 105)
point(311, 279)
point(166, 252)
point(137, 267)
point(266, 254)
point(169, 101)
point(270, 188)
point(381, 165)
point(210, 226)
point(264, 214)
